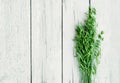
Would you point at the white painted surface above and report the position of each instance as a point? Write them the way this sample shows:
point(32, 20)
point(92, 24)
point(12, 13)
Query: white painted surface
point(103, 20)
point(14, 41)
point(73, 13)
point(46, 35)
point(108, 20)
point(114, 60)
point(46, 41)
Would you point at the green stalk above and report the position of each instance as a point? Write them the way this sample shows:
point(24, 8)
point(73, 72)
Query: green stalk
point(87, 46)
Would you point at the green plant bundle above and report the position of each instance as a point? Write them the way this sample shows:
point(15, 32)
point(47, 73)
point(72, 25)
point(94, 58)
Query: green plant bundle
point(87, 46)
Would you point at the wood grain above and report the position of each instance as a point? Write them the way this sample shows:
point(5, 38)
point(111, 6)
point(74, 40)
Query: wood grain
point(103, 20)
point(52, 28)
point(46, 41)
point(108, 20)
point(14, 41)
point(73, 13)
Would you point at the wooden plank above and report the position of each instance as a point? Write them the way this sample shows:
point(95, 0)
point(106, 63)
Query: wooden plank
point(108, 20)
point(14, 41)
point(73, 13)
point(46, 41)
point(114, 61)
point(103, 20)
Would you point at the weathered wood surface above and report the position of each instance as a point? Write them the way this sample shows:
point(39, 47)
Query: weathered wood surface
point(14, 41)
point(108, 20)
point(73, 13)
point(46, 41)
point(53, 24)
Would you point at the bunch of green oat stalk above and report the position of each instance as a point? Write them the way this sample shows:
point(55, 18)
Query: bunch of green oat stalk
point(87, 46)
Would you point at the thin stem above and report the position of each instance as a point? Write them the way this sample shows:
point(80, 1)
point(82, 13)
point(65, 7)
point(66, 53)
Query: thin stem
point(89, 3)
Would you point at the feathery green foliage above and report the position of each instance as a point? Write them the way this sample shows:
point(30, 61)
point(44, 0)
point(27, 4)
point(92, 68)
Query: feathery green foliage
point(87, 46)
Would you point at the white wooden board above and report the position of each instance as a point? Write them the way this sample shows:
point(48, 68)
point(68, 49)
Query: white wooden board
point(73, 14)
point(14, 41)
point(49, 21)
point(46, 41)
point(108, 20)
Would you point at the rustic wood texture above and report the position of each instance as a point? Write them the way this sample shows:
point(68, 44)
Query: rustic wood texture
point(73, 13)
point(114, 52)
point(46, 41)
point(108, 20)
point(52, 26)
point(103, 20)
point(14, 41)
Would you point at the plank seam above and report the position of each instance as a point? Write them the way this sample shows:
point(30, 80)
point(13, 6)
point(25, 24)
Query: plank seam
point(61, 41)
point(30, 41)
